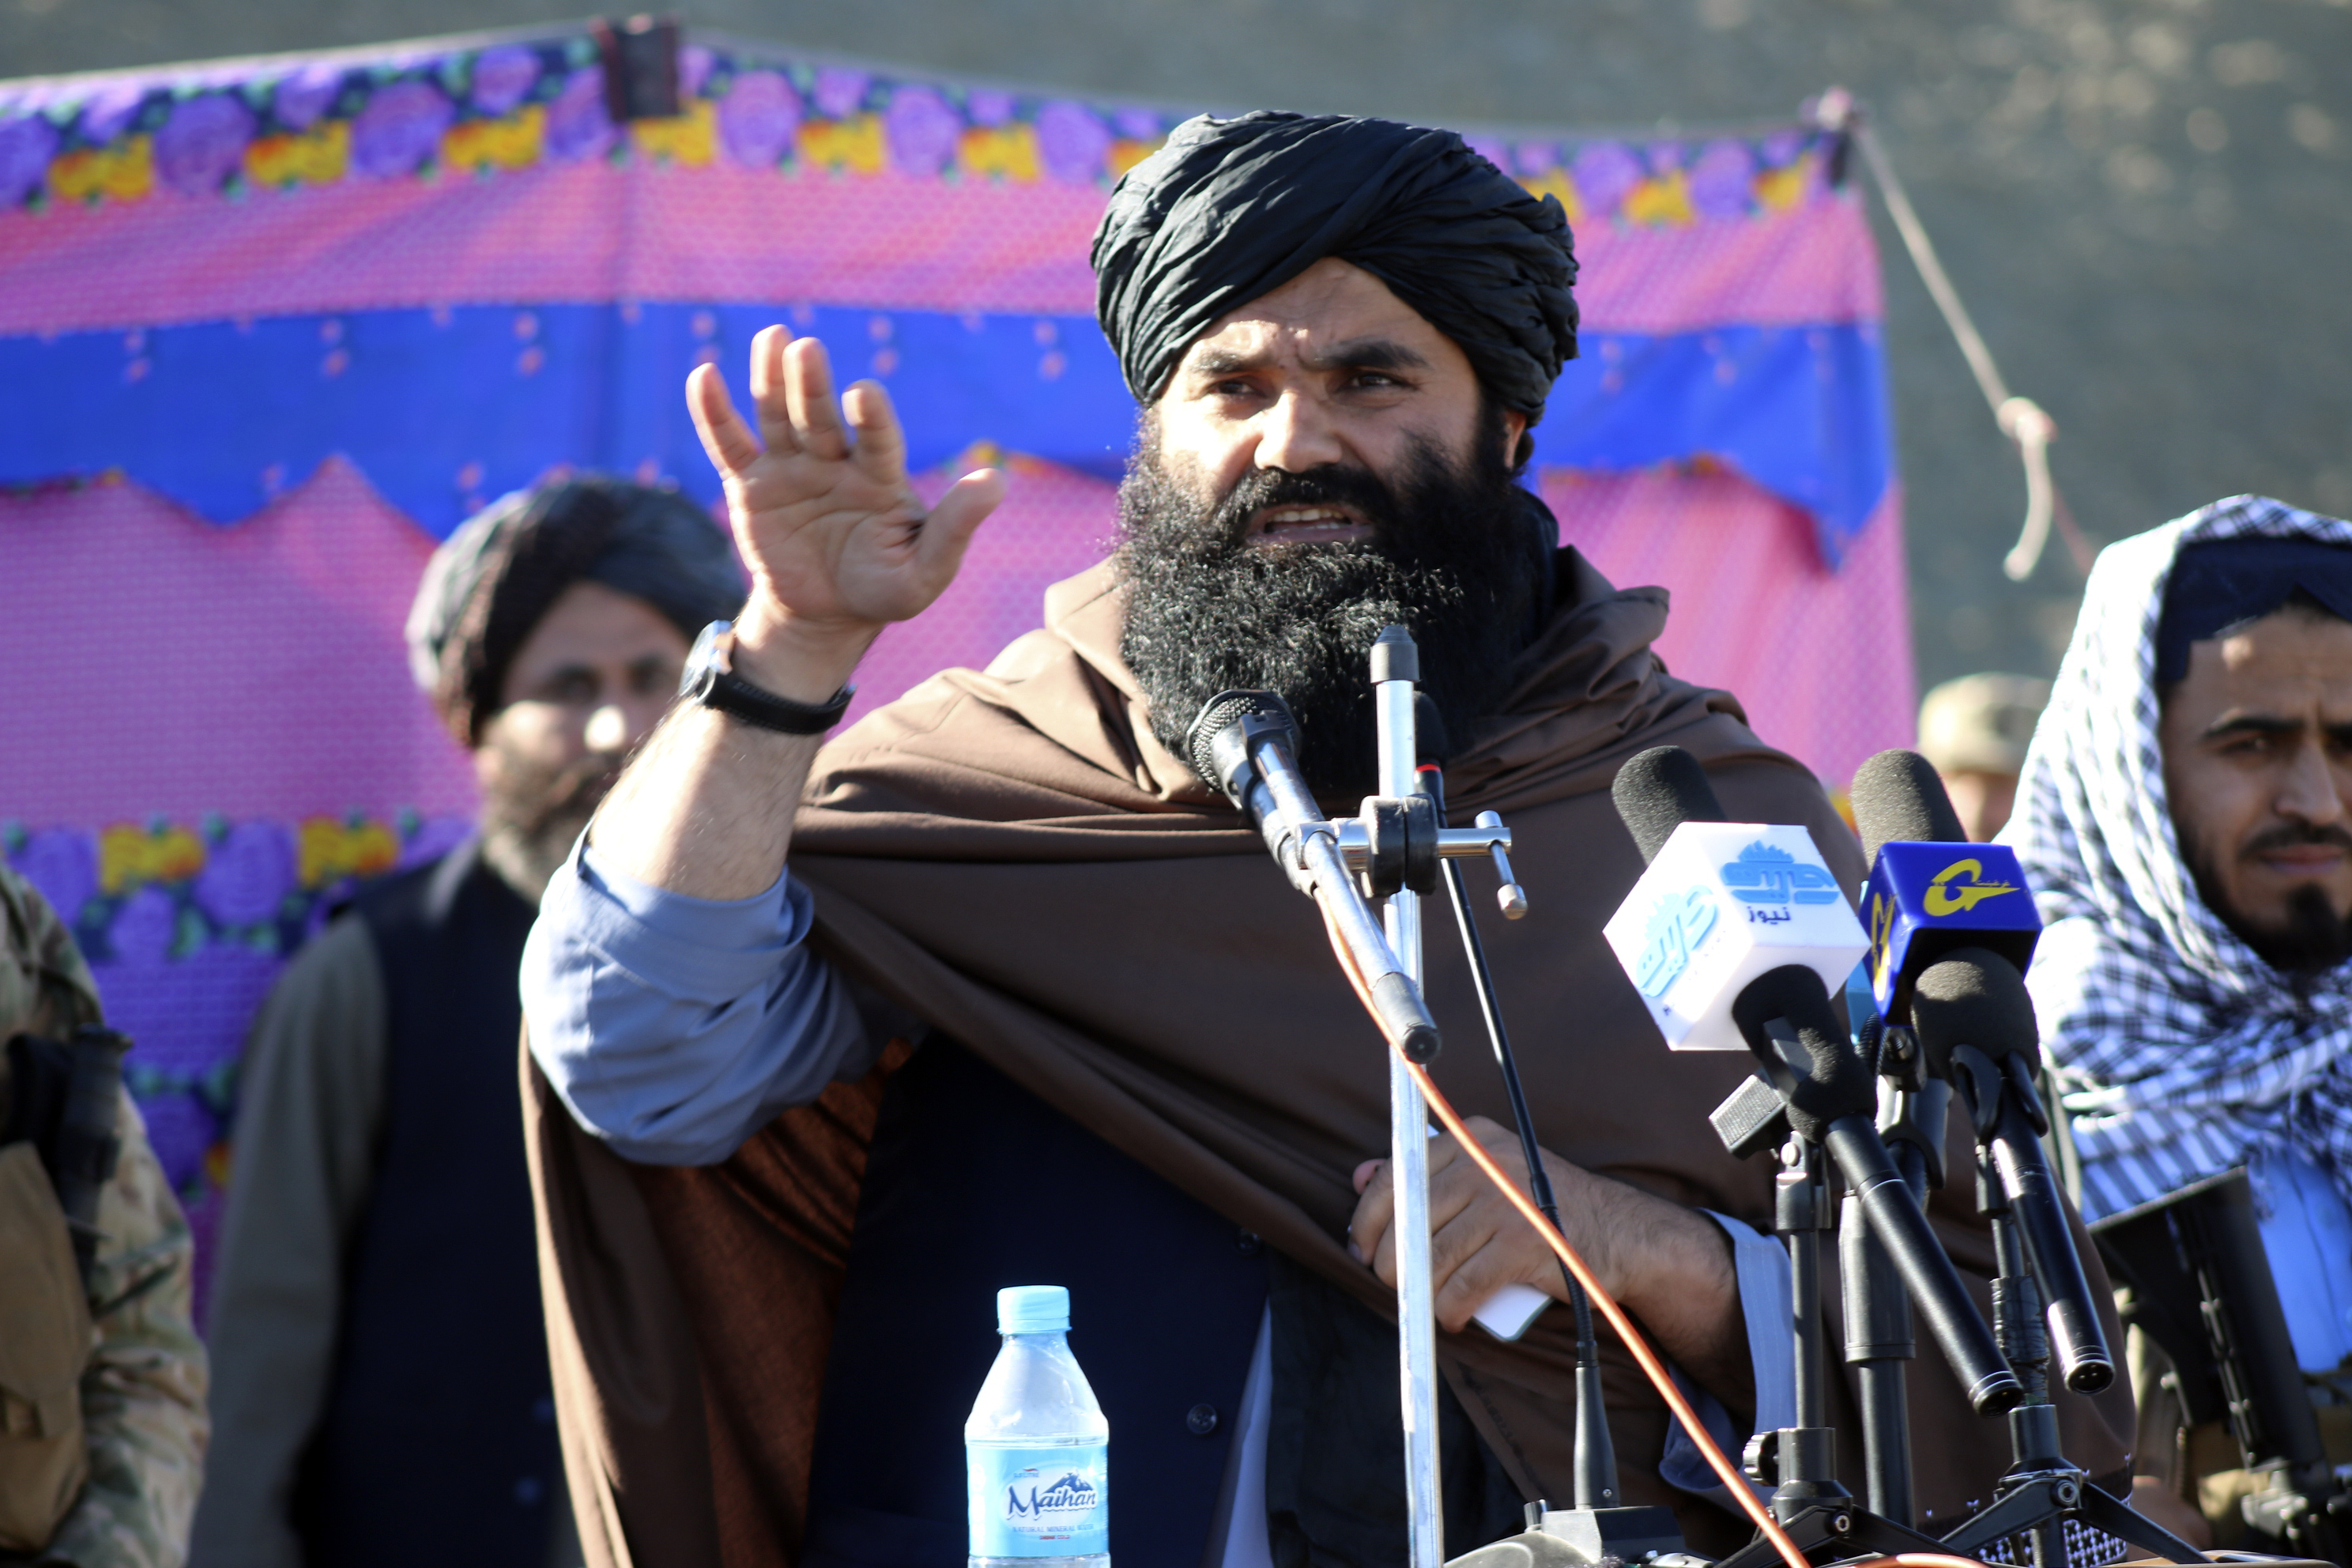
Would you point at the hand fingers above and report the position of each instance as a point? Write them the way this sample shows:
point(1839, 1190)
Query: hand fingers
point(1365, 1172)
point(1451, 1244)
point(808, 395)
point(1368, 1230)
point(881, 451)
point(948, 530)
point(729, 441)
point(1462, 1283)
point(767, 390)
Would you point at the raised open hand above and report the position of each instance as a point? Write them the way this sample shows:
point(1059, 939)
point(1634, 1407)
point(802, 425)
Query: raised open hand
point(837, 540)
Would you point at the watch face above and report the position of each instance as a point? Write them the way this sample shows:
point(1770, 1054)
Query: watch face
point(702, 660)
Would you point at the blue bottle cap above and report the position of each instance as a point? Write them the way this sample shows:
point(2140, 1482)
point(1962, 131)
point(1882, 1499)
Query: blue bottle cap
point(1033, 1309)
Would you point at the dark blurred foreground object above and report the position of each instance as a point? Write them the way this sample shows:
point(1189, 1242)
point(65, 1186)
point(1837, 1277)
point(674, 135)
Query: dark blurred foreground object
point(102, 1426)
point(640, 58)
point(1975, 730)
point(2201, 1287)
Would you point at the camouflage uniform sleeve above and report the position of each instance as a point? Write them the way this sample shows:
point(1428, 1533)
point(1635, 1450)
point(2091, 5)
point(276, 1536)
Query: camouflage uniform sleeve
point(45, 986)
point(143, 1394)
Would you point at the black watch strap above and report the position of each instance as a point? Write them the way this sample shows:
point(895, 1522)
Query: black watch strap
point(739, 698)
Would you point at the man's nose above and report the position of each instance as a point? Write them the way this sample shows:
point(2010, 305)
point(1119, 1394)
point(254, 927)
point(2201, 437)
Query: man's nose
point(2310, 792)
point(1296, 434)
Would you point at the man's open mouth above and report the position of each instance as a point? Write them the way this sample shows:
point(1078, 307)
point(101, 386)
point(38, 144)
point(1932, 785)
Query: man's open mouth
point(1306, 525)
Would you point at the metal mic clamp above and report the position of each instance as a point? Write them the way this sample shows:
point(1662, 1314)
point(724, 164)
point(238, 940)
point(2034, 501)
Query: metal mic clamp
point(1511, 898)
point(1395, 843)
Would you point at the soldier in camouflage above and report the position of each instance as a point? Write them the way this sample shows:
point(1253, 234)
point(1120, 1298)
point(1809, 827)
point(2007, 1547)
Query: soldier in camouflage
point(123, 1349)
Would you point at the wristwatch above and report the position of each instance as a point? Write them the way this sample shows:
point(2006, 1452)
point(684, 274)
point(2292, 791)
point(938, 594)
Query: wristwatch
point(709, 680)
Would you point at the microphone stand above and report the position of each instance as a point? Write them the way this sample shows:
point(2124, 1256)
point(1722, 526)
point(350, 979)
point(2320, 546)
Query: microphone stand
point(1800, 1461)
point(1598, 1526)
point(1911, 1111)
point(1396, 671)
point(2044, 1492)
point(1244, 744)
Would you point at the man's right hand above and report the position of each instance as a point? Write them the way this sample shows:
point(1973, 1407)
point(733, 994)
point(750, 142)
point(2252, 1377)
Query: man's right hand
point(838, 541)
point(839, 546)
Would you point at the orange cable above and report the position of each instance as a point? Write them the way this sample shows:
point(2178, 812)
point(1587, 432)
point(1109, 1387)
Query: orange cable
point(1651, 1367)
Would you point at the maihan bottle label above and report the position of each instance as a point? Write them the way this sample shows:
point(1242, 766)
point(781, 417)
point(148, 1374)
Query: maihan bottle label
point(1040, 1502)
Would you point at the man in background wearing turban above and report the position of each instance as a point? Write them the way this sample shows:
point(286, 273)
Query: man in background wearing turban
point(381, 1392)
point(1975, 730)
point(1030, 1005)
point(2186, 817)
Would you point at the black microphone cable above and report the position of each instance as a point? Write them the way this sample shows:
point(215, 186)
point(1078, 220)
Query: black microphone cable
point(1596, 1455)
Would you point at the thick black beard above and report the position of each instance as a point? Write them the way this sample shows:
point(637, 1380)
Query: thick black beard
point(1452, 557)
point(2314, 940)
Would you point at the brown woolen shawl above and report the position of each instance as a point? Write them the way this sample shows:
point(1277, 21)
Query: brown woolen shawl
point(1011, 855)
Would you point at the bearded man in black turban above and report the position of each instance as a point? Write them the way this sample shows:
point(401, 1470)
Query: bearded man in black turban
point(375, 1307)
point(1029, 1005)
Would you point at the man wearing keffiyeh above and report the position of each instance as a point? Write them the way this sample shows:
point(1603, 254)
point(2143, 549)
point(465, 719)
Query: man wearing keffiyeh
point(2183, 818)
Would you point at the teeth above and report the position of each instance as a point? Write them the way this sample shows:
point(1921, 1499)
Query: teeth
point(1295, 515)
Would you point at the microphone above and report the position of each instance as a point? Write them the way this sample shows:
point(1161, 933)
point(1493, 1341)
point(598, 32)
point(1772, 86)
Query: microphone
point(1930, 891)
point(1245, 743)
point(1720, 903)
point(1976, 1027)
point(1962, 912)
point(1768, 994)
point(1831, 1096)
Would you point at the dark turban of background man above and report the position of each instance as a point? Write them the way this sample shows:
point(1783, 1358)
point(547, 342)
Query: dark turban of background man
point(1231, 209)
point(485, 589)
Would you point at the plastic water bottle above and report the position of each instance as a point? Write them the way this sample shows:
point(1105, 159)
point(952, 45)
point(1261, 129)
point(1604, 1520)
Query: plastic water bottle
point(1037, 1445)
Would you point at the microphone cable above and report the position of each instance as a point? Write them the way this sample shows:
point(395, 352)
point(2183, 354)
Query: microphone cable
point(1596, 1478)
point(1644, 1356)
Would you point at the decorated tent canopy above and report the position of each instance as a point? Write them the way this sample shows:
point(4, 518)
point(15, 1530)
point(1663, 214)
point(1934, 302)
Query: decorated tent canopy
point(269, 328)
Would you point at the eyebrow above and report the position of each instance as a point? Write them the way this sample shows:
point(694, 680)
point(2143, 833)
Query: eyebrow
point(1363, 353)
point(2271, 724)
point(572, 669)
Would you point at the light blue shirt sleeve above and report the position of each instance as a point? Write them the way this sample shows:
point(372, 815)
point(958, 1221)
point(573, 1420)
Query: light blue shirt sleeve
point(2306, 1231)
point(1762, 1266)
point(674, 1027)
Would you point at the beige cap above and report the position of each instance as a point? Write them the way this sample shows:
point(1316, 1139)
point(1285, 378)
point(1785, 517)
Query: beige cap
point(1981, 724)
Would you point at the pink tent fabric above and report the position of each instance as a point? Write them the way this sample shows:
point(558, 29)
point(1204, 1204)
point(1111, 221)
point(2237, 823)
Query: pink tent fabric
point(214, 729)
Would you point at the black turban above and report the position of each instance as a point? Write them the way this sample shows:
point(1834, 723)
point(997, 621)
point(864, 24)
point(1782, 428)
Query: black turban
point(487, 587)
point(2218, 585)
point(1231, 209)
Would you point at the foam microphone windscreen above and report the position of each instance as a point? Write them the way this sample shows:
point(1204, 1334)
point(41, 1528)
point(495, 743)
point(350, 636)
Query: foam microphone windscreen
point(1974, 997)
point(1898, 798)
point(1660, 790)
point(1221, 713)
point(1835, 1080)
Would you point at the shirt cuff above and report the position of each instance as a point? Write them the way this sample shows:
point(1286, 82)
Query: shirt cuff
point(707, 950)
point(1762, 1267)
point(673, 1027)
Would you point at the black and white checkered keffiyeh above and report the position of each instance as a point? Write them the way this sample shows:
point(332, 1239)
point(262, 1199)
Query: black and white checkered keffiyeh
point(2179, 1051)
